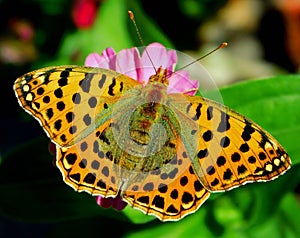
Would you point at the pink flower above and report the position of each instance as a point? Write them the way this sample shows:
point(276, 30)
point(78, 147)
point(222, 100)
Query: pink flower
point(130, 63)
point(116, 202)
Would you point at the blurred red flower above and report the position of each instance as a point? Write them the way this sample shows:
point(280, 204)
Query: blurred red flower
point(84, 13)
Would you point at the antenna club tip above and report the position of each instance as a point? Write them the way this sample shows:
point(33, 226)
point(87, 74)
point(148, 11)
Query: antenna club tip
point(131, 15)
point(223, 45)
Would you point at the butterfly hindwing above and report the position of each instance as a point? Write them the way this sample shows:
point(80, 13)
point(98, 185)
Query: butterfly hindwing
point(85, 166)
point(169, 193)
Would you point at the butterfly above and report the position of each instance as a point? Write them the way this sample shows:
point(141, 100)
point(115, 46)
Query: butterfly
point(163, 153)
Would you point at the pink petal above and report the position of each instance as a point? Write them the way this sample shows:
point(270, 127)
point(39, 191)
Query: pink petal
point(129, 63)
point(117, 202)
point(159, 57)
point(104, 202)
point(106, 60)
point(93, 60)
point(180, 82)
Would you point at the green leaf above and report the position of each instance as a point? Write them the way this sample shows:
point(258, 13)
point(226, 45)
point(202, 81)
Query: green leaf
point(285, 223)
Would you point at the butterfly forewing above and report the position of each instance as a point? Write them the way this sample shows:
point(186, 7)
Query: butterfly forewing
point(233, 150)
point(66, 99)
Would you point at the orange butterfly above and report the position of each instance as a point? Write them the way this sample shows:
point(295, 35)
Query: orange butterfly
point(162, 151)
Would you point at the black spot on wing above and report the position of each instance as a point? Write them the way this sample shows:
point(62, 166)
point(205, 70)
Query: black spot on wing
point(40, 91)
point(111, 87)
point(102, 81)
point(76, 98)
point(63, 81)
point(224, 123)
point(85, 83)
point(58, 93)
point(198, 112)
point(209, 113)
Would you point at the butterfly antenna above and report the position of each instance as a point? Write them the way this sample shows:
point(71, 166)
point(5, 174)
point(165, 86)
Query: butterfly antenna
point(223, 45)
point(131, 16)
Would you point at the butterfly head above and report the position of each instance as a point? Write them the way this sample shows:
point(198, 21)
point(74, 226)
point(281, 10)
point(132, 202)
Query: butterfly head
point(156, 89)
point(160, 76)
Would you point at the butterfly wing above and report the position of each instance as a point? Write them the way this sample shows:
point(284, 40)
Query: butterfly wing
point(232, 150)
point(86, 166)
point(169, 193)
point(66, 99)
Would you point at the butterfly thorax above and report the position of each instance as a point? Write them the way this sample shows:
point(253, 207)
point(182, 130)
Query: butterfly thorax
point(150, 140)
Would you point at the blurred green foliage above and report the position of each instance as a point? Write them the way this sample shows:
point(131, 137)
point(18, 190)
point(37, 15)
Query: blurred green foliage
point(34, 194)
